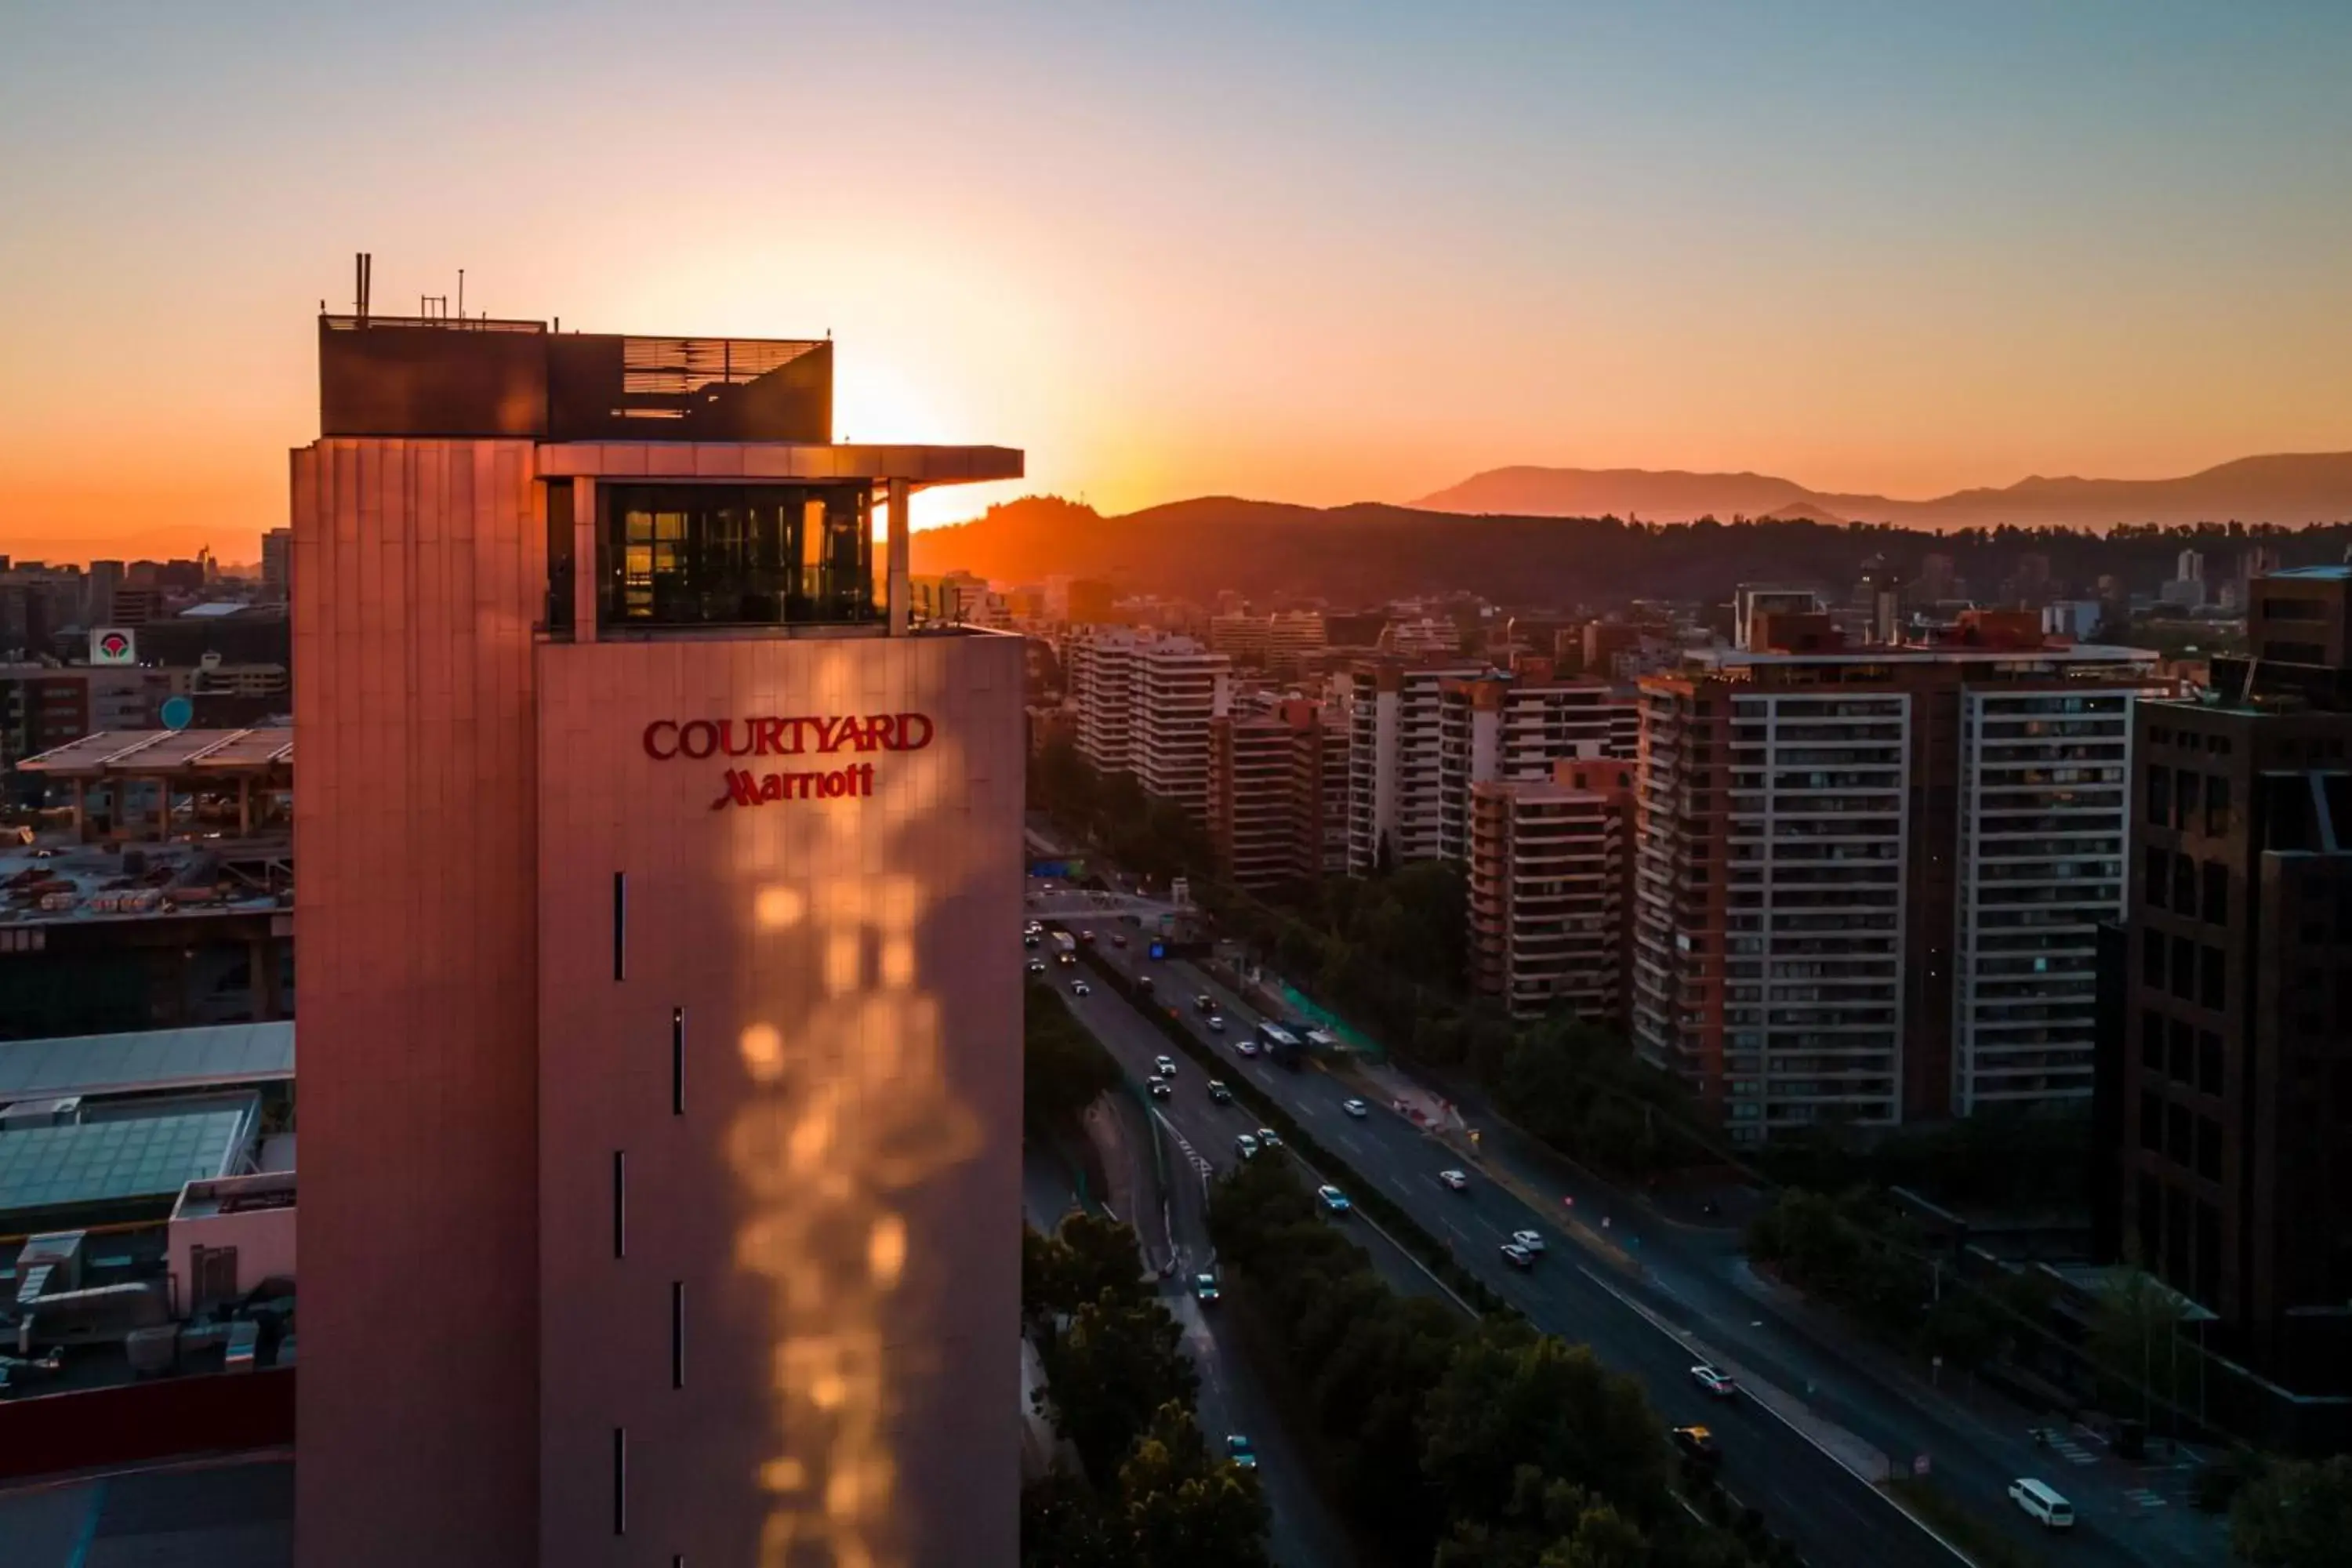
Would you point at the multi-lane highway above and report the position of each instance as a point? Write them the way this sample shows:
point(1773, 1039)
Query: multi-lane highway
point(1305, 1531)
point(1835, 1519)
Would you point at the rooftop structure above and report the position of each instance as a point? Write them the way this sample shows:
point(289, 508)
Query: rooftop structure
point(61, 1163)
point(252, 765)
point(146, 1061)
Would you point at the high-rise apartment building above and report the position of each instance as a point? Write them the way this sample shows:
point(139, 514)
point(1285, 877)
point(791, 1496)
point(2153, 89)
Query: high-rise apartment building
point(661, 1010)
point(1394, 750)
point(276, 545)
point(1869, 877)
point(1145, 702)
point(1516, 726)
point(1551, 875)
point(1278, 794)
point(2236, 1072)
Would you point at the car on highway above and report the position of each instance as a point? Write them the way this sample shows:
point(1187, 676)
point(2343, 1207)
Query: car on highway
point(1697, 1445)
point(1239, 1450)
point(1118, 940)
point(1204, 1003)
point(1714, 1382)
point(1333, 1198)
point(1532, 1240)
point(1246, 1045)
point(1143, 983)
point(1164, 1066)
point(1216, 1023)
point(1245, 1146)
point(1356, 1107)
point(1517, 1256)
point(1162, 1088)
point(1458, 1180)
point(1030, 941)
point(1036, 966)
point(1266, 1139)
point(1080, 988)
point(1205, 1287)
point(1219, 1092)
point(1065, 957)
point(1087, 936)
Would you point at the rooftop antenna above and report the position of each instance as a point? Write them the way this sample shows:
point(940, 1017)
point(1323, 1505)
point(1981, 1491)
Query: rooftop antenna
point(363, 274)
point(461, 293)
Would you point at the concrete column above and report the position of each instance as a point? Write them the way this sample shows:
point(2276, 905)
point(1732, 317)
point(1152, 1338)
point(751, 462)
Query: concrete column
point(583, 558)
point(82, 811)
point(243, 807)
point(901, 593)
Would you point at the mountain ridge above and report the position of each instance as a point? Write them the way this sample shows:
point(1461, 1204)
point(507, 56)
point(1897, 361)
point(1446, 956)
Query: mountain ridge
point(2291, 488)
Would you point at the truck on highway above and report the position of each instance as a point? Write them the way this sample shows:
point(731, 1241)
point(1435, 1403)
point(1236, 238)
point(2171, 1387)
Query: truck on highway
point(1065, 943)
point(1280, 1044)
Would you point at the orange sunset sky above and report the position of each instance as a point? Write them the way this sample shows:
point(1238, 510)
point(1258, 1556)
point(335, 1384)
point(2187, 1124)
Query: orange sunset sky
point(1313, 252)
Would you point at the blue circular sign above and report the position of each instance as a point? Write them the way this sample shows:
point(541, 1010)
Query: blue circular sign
point(178, 713)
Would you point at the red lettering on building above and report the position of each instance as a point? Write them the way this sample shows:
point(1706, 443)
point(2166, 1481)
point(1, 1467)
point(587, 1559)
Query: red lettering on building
point(653, 744)
point(746, 788)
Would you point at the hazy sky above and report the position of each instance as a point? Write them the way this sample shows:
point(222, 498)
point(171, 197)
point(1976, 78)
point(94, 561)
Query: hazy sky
point(1302, 251)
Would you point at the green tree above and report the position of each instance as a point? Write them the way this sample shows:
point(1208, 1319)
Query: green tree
point(1515, 1397)
point(1062, 1066)
point(2132, 1334)
point(1065, 1525)
point(2298, 1514)
point(1118, 1361)
point(1184, 1509)
point(1083, 1261)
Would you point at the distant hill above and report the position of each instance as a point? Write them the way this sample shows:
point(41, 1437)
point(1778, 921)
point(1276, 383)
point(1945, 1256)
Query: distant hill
point(1367, 552)
point(2293, 489)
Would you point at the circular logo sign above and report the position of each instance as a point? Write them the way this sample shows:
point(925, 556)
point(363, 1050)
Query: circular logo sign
point(178, 713)
point(114, 645)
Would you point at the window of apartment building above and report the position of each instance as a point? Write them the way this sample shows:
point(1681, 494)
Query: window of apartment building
point(2213, 909)
point(2216, 805)
point(2209, 1148)
point(2184, 881)
point(2208, 1062)
point(2180, 1135)
point(2151, 1120)
point(2212, 972)
point(2152, 953)
point(2184, 968)
point(2159, 794)
point(2186, 797)
point(2183, 1052)
point(2281, 652)
point(2151, 1039)
point(2156, 875)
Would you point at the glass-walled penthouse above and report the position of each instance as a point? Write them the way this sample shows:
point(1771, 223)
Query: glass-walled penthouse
point(671, 556)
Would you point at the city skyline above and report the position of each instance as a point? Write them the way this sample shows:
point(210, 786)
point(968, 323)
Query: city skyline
point(1307, 258)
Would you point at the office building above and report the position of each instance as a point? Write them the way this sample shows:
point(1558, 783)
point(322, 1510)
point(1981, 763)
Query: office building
point(660, 989)
point(1278, 794)
point(1551, 880)
point(2236, 1102)
point(1869, 875)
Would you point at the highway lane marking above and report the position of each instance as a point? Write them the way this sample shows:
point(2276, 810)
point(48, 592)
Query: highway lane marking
point(1683, 1338)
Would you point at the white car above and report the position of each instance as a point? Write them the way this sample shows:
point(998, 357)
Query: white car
point(1334, 1199)
point(1517, 1256)
point(1246, 1045)
point(1166, 1066)
point(1216, 1024)
point(1532, 1240)
point(1266, 1139)
point(1356, 1107)
point(1162, 1088)
point(1458, 1180)
point(1245, 1146)
point(1717, 1383)
point(1080, 988)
